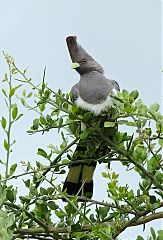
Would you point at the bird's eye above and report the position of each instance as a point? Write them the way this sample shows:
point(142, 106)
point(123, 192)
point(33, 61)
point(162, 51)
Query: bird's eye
point(83, 60)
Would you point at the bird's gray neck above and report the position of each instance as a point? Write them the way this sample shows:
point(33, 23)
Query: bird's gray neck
point(92, 72)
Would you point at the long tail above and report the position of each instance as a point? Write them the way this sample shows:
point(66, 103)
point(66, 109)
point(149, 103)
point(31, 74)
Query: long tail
point(79, 180)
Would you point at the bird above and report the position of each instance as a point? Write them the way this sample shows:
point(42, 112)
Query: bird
point(93, 93)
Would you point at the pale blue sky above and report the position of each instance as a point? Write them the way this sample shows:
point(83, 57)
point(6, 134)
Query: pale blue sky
point(123, 35)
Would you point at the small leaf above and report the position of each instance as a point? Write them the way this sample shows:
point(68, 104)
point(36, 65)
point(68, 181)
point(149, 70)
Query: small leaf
point(24, 93)
point(109, 124)
point(42, 153)
point(35, 124)
point(42, 120)
point(114, 175)
point(41, 107)
point(140, 238)
point(155, 107)
point(10, 195)
point(152, 199)
point(14, 112)
point(161, 142)
point(27, 183)
point(140, 153)
point(125, 94)
point(14, 70)
point(12, 92)
point(23, 101)
point(73, 127)
point(20, 115)
point(160, 234)
point(159, 176)
point(4, 92)
point(1, 162)
point(103, 211)
point(60, 122)
point(25, 199)
point(3, 122)
point(105, 175)
point(65, 161)
point(60, 214)
point(6, 145)
point(13, 168)
point(153, 233)
point(133, 95)
point(83, 135)
point(52, 205)
point(29, 95)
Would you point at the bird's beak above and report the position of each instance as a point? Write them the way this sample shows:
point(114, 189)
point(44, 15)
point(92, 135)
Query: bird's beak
point(75, 65)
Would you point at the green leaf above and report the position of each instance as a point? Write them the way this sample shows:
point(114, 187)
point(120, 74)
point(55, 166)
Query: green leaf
point(1, 162)
point(140, 153)
point(60, 214)
point(103, 211)
point(19, 116)
point(35, 124)
point(6, 145)
point(114, 175)
point(52, 205)
point(65, 161)
point(132, 124)
point(84, 135)
point(133, 96)
point(43, 191)
point(70, 209)
point(159, 176)
point(109, 124)
point(25, 199)
point(140, 238)
point(153, 233)
point(153, 163)
point(14, 112)
point(12, 92)
point(14, 70)
point(73, 127)
point(4, 92)
point(42, 153)
point(13, 168)
point(18, 86)
point(27, 183)
point(42, 120)
point(23, 101)
point(155, 107)
point(10, 195)
point(41, 107)
point(125, 94)
point(29, 95)
point(153, 199)
point(105, 175)
point(160, 234)
point(3, 122)
point(60, 122)
point(161, 142)
point(146, 182)
point(24, 93)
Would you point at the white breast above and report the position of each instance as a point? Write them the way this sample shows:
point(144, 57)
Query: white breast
point(97, 109)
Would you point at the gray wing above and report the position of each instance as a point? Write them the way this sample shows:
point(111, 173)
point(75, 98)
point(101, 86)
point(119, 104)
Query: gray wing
point(94, 87)
point(75, 92)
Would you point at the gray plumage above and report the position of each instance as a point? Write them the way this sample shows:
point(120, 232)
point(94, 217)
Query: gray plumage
point(93, 87)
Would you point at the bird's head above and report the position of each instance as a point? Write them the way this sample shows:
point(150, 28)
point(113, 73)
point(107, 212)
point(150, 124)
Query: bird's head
point(82, 61)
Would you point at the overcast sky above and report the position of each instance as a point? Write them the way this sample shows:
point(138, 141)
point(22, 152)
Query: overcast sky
point(123, 35)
